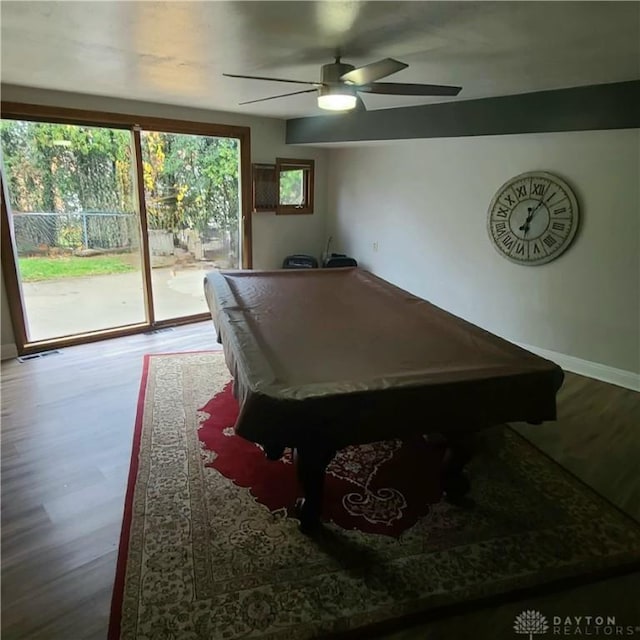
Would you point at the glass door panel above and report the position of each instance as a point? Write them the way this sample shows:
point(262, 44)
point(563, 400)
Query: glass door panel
point(73, 209)
point(192, 199)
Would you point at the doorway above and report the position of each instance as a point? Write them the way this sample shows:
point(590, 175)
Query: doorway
point(114, 225)
point(192, 199)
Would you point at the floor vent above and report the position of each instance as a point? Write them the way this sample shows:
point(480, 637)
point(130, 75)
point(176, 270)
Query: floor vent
point(161, 330)
point(41, 354)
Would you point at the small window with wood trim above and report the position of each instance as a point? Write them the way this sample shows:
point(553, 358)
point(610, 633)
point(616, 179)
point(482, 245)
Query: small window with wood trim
point(295, 185)
point(286, 187)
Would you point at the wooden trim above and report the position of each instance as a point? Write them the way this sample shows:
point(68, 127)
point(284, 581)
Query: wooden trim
point(309, 166)
point(288, 210)
point(246, 204)
point(82, 338)
point(61, 115)
point(175, 322)
point(108, 334)
point(301, 163)
point(143, 229)
point(10, 272)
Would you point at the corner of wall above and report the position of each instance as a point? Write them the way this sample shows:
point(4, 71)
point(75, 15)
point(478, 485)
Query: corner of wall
point(605, 373)
point(9, 351)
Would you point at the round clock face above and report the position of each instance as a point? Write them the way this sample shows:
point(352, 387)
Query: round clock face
point(533, 218)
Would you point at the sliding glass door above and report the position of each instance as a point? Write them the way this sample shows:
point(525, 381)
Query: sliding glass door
point(192, 199)
point(114, 227)
point(71, 194)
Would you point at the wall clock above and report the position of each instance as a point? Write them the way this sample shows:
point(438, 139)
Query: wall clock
point(533, 218)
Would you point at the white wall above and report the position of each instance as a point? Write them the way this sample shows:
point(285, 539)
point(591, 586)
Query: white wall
point(8, 341)
point(274, 237)
point(425, 203)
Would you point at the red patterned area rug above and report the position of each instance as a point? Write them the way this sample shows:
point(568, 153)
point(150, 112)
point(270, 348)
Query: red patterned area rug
point(201, 557)
point(383, 487)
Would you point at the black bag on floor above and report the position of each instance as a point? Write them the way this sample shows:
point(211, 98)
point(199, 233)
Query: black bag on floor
point(339, 261)
point(299, 261)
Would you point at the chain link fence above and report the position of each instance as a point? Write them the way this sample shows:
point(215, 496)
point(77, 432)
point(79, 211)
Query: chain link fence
point(40, 232)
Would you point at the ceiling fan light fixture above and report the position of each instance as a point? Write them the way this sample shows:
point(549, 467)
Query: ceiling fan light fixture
point(341, 98)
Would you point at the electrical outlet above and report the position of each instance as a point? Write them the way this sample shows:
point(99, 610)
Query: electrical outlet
point(375, 246)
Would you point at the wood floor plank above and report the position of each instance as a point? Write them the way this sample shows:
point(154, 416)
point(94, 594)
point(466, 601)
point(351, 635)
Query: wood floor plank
point(67, 557)
point(73, 605)
point(67, 426)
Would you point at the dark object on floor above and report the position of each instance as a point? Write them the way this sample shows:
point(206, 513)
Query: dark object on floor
point(299, 261)
point(339, 260)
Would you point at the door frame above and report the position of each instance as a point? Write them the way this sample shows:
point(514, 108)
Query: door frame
point(133, 123)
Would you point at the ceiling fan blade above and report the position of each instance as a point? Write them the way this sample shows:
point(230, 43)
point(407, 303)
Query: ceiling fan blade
point(282, 95)
point(234, 75)
point(403, 89)
point(374, 71)
point(360, 105)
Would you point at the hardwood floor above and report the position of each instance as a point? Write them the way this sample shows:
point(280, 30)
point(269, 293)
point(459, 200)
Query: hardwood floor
point(67, 422)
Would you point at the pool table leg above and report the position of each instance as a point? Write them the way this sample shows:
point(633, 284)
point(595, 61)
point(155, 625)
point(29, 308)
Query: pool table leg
point(311, 463)
point(455, 482)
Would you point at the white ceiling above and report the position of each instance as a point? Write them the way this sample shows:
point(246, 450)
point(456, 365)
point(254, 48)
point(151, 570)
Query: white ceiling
point(176, 52)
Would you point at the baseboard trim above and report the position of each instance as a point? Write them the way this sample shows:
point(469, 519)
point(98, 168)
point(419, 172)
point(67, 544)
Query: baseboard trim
point(9, 351)
point(620, 377)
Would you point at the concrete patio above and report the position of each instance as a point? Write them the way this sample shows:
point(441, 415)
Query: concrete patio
point(67, 306)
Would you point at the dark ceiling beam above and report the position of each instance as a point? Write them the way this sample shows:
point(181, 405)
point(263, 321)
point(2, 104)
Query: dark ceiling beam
point(603, 106)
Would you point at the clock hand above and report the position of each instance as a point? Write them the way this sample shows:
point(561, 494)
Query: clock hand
point(525, 226)
point(537, 207)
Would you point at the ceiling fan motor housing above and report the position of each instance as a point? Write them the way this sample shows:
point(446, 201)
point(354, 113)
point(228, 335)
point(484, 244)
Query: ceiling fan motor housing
point(331, 72)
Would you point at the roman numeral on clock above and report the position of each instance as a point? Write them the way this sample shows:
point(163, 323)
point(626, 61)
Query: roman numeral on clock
point(521, 191)
point(502, 212)
point(538, 189)
point(549, 240)
point(500, 228)
point(559, 226)
point(508, 241)
point(559, 211)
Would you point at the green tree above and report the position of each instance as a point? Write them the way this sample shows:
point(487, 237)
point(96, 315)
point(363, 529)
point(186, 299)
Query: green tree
point(291, 186)
point(190, 181)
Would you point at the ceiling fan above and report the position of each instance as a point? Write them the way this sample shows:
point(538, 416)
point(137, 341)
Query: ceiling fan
point(341, 83)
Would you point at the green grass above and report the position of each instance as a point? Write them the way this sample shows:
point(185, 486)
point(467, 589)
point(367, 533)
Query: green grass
point(35, 269)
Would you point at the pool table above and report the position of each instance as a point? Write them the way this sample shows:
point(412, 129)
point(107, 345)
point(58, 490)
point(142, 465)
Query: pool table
point(325, 358)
